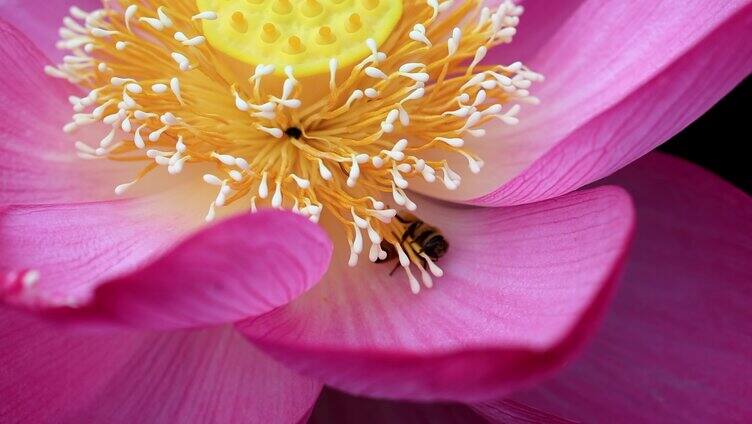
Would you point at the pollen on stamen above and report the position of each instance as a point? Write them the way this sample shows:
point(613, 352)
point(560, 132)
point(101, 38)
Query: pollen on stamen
point(237, 85)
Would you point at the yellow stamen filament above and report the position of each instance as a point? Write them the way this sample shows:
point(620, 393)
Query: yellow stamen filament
point(173, 99)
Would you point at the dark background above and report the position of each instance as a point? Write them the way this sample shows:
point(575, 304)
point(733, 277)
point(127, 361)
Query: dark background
point(721, 140)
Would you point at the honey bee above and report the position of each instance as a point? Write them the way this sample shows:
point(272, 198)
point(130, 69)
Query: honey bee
point(419, 237)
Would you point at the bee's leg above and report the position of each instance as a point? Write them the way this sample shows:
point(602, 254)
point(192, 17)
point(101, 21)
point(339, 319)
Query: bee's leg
point(418, 257)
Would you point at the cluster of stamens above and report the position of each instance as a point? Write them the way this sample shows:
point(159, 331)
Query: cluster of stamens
point(171, 93)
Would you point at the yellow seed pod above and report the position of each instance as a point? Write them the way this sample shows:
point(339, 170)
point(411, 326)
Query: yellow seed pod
point(306, 34)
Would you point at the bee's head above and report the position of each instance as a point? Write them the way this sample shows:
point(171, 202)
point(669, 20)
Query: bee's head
point(436, 247)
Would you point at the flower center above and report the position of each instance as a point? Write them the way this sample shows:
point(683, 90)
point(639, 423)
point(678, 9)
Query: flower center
point(305, 34)
point(312, 106)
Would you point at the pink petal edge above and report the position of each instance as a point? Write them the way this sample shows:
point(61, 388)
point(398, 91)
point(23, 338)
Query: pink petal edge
point(104, 270)
point(622, 78)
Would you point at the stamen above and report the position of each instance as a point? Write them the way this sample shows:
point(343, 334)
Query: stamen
point(236, 85)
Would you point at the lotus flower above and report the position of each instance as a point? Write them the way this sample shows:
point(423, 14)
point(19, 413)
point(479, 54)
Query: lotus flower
point(130, 308)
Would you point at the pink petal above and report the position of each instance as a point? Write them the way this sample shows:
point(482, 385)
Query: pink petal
point(622, 78)
point(335, 407)
point(205, 376)
point(542, 21)
point(523, 288)
point(677, 344)
point(38, 162)
point(114, 262)
point(41, 19)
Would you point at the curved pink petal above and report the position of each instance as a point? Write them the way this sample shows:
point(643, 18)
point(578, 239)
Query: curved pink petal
point(622, 78)
point(335, 407)
point(523, 287)
point(41, 19)
point(676, 345)
point(206, 376)
point(115, 262)
point(38, 162)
